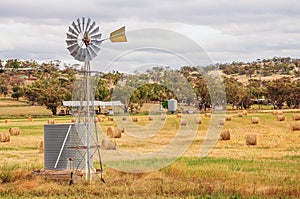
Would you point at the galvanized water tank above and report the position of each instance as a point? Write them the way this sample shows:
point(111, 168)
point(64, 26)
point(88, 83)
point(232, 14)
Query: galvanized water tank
point(54, 136)
point(172, 105)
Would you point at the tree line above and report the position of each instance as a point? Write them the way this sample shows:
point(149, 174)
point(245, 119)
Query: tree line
point(50, 83)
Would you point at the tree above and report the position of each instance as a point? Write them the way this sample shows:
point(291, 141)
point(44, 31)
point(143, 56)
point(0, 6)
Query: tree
point(17, 92)
point(279, 91)
point(49, 92)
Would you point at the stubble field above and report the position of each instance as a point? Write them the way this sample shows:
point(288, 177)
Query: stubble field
point(270, 169)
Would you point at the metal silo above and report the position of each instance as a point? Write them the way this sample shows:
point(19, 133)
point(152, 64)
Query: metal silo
point(172, 105)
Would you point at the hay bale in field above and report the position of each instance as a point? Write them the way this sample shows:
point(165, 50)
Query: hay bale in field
point(124, 118)
point(51, 122)
point(100, 119)
point(280, 117)
point(7, 121)
point(227, 118)
point(150, 118)
point(225, 134)
point(179, 115)
point(14, 131)
point(29, 119)
point(135, 119)
point(108, 145)
point(296, 117)
point(240, 114)
point(4, 136)
point(245, 112)
point(41, 147)
point(251, 139)
point(114, 132)
point(110, 119)
point(221, 122)
point(207, 115)
point(296, 126)
point(198, 120)
point(183, 123)
point(254, 120)
point(73, 120)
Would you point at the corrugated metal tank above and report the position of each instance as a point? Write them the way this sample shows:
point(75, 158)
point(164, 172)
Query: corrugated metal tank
point(172, 105)
point(54, 136)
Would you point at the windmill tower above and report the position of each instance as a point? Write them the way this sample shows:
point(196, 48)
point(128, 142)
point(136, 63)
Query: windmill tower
point(83, 42)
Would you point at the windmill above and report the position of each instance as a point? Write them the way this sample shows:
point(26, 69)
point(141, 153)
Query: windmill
point(83, 42)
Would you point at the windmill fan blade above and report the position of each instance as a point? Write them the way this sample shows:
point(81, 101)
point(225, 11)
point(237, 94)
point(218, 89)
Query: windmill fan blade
point(79, 27)
point(83, 22)
point(73, 31)
point(88, 24)
point(96, 41)
point(91, 52)
point(97, 36)
point(69, 36)
point(74, 50)
point(92, 26)
point(94, 48)
point(88, 55)
point(94, 31)
point(75, 27)
point(78, 54)
point(71, 42)
point(81, 55)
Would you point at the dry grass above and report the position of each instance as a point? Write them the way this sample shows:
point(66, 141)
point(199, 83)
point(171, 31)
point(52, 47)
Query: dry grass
point(232, 169)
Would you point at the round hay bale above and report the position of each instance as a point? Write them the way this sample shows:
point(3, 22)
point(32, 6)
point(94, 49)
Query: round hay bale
point(222, 122)
point(296, 117)
point(240, 114)
point(183, 123)
point(100, 119)
point(251, 139)
point(14, 131)
point(51, 122)
point(135, 119)
point(7, 121)
point(280, 118)
point(114, 132)
point(225, 134)
point(110, 119)
point(110, 132)
point(73, 120)
point(117, 132)
point(41, 147)
point(207, 115)
point(124, 118)
point(150, 118)
point(296, 126)
point(245, 112)
point(4, 136)
point(108, 145)
point(29, 119)
point(227, 118)
point(254, 120)
point(198, 121)
point(179, 115)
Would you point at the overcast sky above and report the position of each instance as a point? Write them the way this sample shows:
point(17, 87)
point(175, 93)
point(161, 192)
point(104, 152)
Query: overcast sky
point(227, 30)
